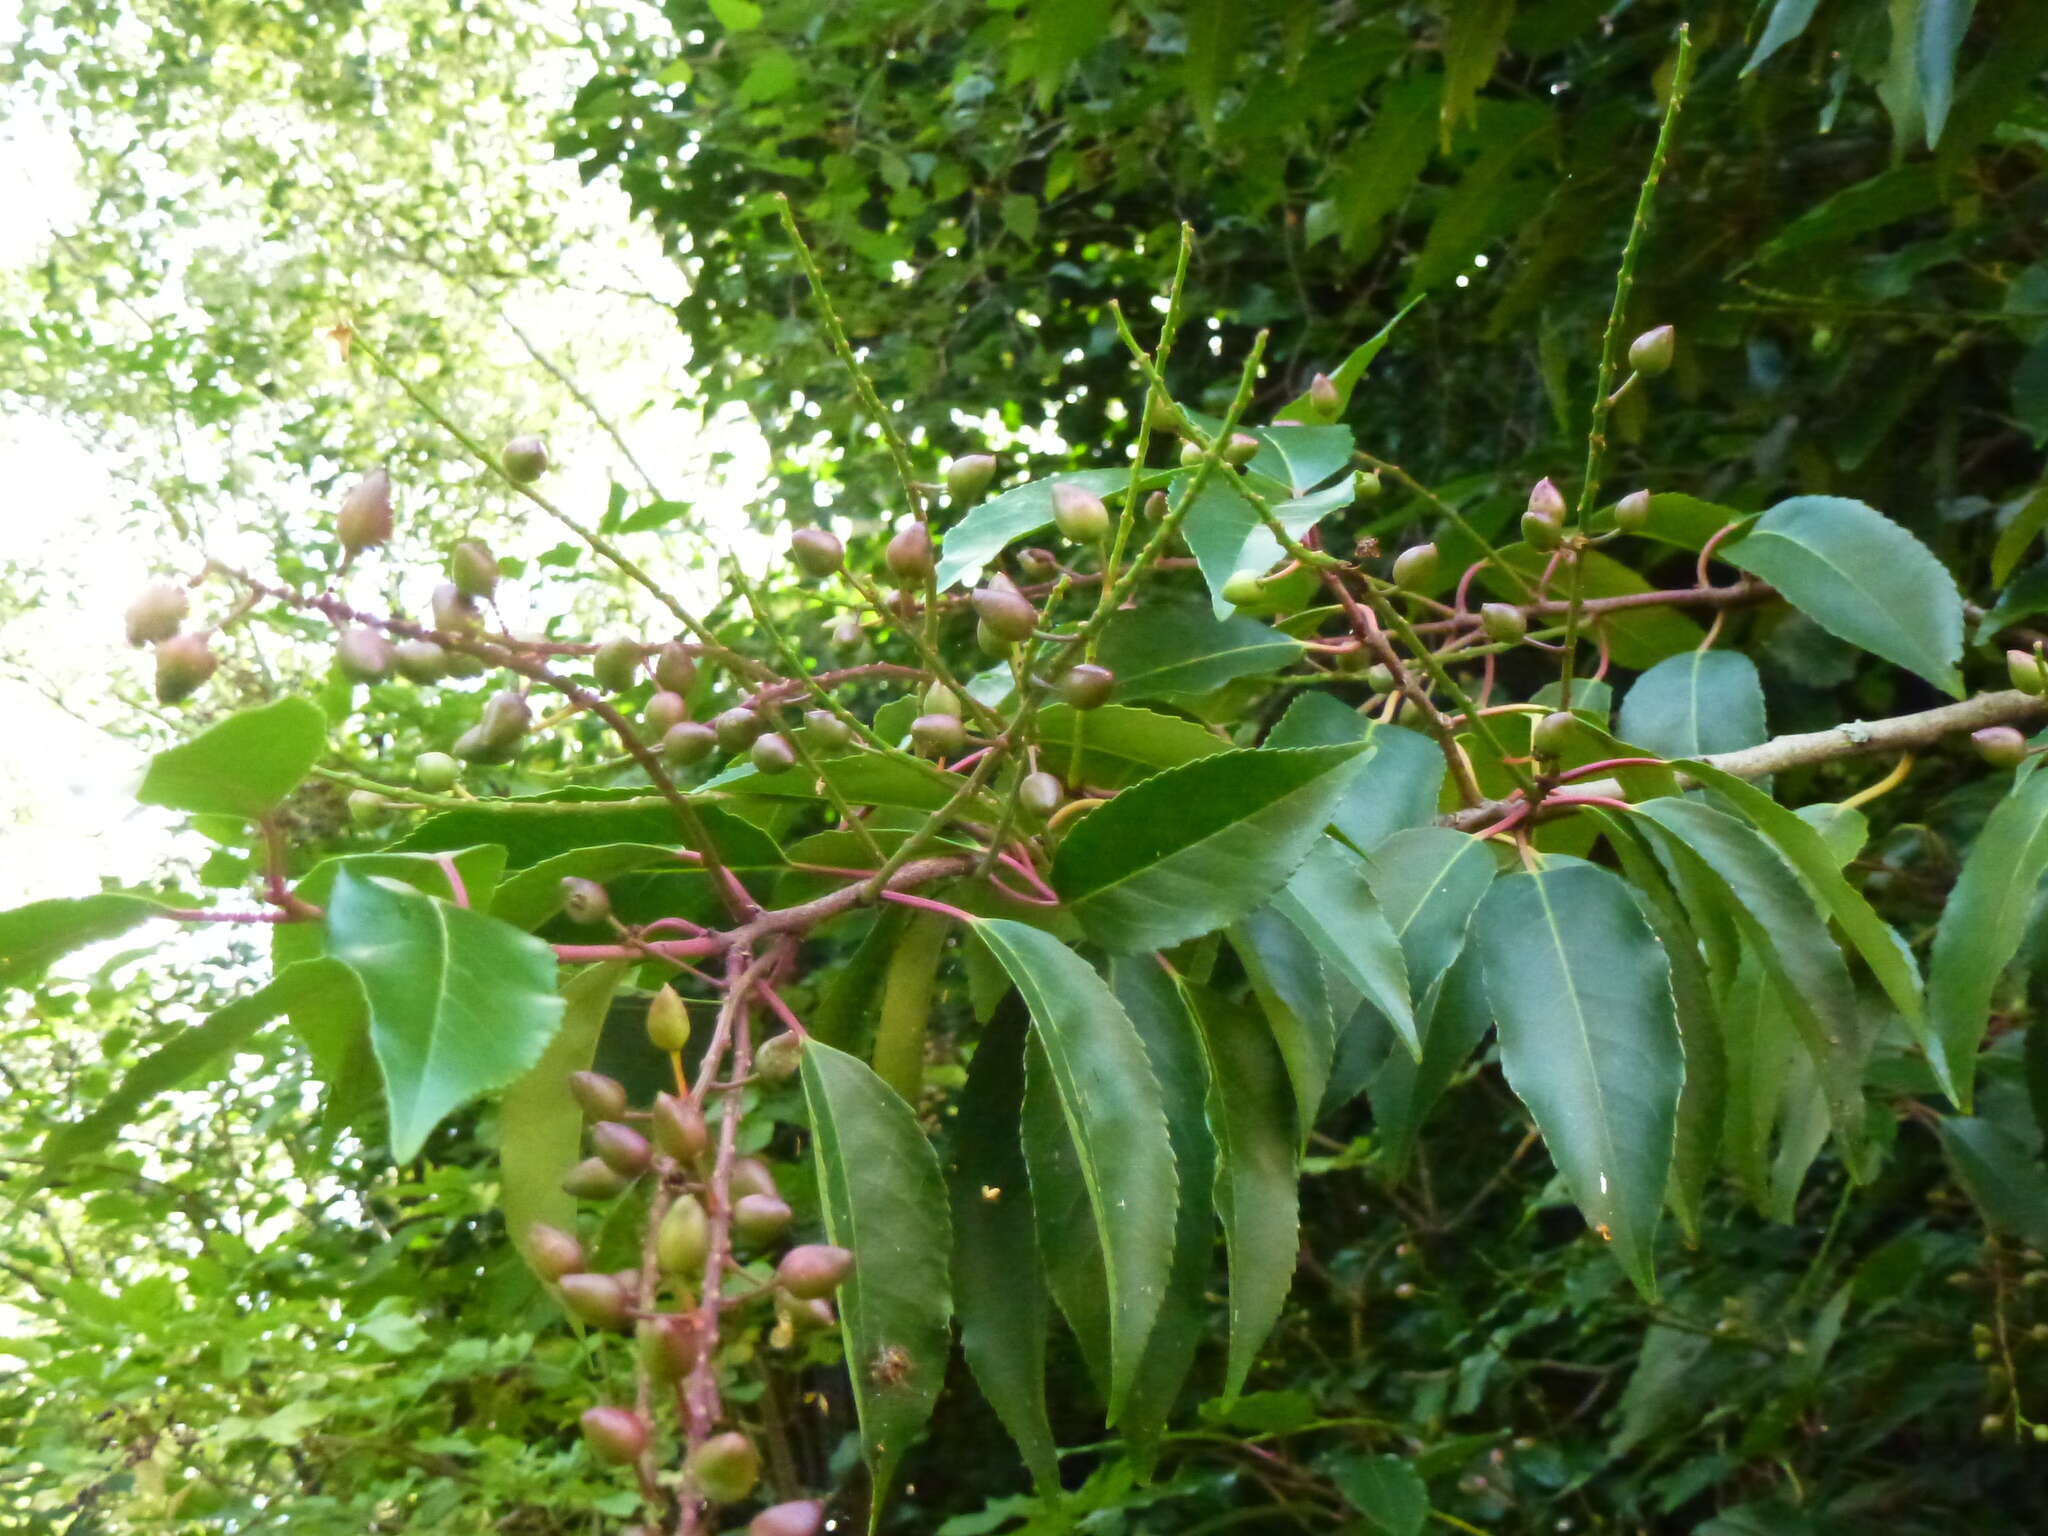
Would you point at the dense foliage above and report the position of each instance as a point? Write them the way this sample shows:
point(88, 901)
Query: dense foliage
point(1501, 1007)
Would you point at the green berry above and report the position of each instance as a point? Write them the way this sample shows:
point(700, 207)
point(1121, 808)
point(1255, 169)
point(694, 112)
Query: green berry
point(1541, 533)
point(1241, 448)
point(812, 1270)
point(687, 742)
point(827, 730)
point(1006, 611)
point(679, 1128)
point(724, 1468)
point(968, 476)
point(1365, 485)
point(909, 556)
point(675, 668)
point(938, 735)
point(772, 753)
point(2000, 746)
point(364, 520)
point(668, 1021)
point(183, 664)
point(473, 568)
point(751, 1176)
point(1323, 395)
point(616, 666)
point(780, 1057)
point(1503, 622)
point(941, 700)
point(1040, 794)
point(624, 1150)
point(2029, 674)
point(1650, 353)
point(617, 1435)
point(670, 1347)
point(584, 901)
point(598, 1096)
point(817, 552)
point(1415, 566)
point(366, 808)
point(1079, 513)
point(760, 1219)
point(420, 661)
point(363, 656)
point(554, 1253)
point(435, 771)
point(683, 1238)
point(1554, 733)
point(156, 613)
point(1086, 686)
point(665, 711)
point(1243, 589)
point(455, 613)
point(1632, 512)
point(593, 1179)
point(1037, 565)
point(737, 728)
point(524, 459)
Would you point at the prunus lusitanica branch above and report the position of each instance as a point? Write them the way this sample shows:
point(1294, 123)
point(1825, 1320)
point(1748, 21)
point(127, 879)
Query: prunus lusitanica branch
point(1901, 733)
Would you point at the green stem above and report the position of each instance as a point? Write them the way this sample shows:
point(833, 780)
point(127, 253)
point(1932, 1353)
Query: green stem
point(1611, 349)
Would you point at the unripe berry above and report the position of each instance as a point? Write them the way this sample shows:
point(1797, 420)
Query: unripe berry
point(156, 613)
point(2000, 745)
point(598, 1299)
point(473, 568)
point(1379, 677)
point(1243, 589)
point(367, 808)
point(1415, 566)
point(555, 1253)
point(724, 1468)
point(506, 719)
point(1365, 485)
point(1547, 501)
point(1040, 794)
point(799, 1317)
point(665, 711)
point(363, 656)
point(668, 1021)
point(1632, 512)
point(1086, 686)
point(1156, 507)
point(826, 729)
point(454, 614)
point(616, 666)
point(760, 1219)
point(811, 1270)
point(183, 663)
point(817, 552)
point(687, 742)
point(420, 661)
point(1322, 394)
point(364, 520)
point(675, 668)
point(617, 1435)
point(968, 476)
point(780, 1057)
point(801, 1517)
point(524, 459)
point(670, 1347)
point(1036, 565)
point(941, 700)
point(751, 1176)
point(2024, 667)
point(1079, 514)
point(584, 901)
point(1554, 733)
point(593, 1179)
point(909, 556)
point(938, 735)
point(737, 728)
point(598, 1096)
point(435, 771)
point(679, 1128)
point(1503, 622)
point(772, 753)
point(1241, 448)
point(1192, 452)
point(623, 1149)
point(683, 1238)
point(1650, 353)
point(1006, 612)
point(1541, 533)
point(846, 635)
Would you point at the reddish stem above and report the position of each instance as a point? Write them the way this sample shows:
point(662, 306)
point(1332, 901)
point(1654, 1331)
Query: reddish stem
point(455, 886)
point(904, 898)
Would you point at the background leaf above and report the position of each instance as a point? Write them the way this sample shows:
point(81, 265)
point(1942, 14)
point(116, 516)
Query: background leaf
point(1694, 703)
point(243, 766)
point(33, 936)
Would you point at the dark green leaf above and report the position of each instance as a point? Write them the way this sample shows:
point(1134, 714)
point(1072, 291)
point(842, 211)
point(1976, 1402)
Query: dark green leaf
point(2004, 1176)
point(1429, 881)
point(1636, 637)
point(1331, 900)
point(1982, 923)
point(244, 766)
point(982, 534)
point(540, 1128)
point(1863, 579)
point(1302, 1001)
point(1069, 1238)
point(33, 936)
point(1589, 1040)
point(1399, 784)
point(1347, 374)
point(1117, 745)
point(1386, 1490)
point(534, 895)
point(1403, 1090)
point(195, 1049)
point(1250, 1111)
point(460, 1003)
point(998, 1289)
point(1789, 19)
point(1196, 847)
point(1695, 702)
point(1941, 25)
point(1473, 36)
point(1172, 646)
point(885, 1201)
point(1114, 1113)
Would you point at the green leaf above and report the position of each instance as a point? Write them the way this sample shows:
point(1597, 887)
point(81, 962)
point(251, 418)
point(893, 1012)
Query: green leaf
point(1589, 1041)
point(33, 936)
point(1173, 1048)
point(1884, 199)
point(1429, 881)
point(1636, 637)
point(1171, 646)
point(1301, 457)
point(1379, 171)
point(460, 1003)
point(540, 1128)
point(1250, 1111)
point(1347, 374)
point(1115, 746)
point(534, 895)
point(885, 1201)
point(542, 827)
point(2013, 541)
point(1403, 1090)
point(1215, 31)
point(1386, 1490)
point(194, 1049)
point(1863, 579)
point(1302, 1002)
point(1069, 1240)
point(1693, 703)
point(1789, 19)
point(1331, 900)
point(1225, 534)
point(1196, 847)
point(864, 778)
point(1982, 924)
point(1473, 34)
point(736, 15)
point(2003, 1175)
point(1809, 850)
point(1941, 25)
point(478, 869)
point(1779, 918)
point(244, 766)
point(1111, 1103)
point(1399, 784)
point(983, 533)
point(998, 1289)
